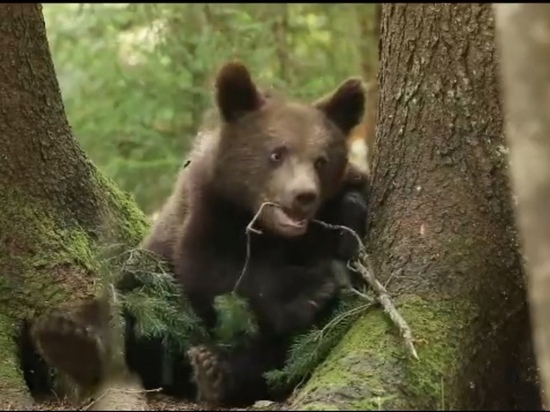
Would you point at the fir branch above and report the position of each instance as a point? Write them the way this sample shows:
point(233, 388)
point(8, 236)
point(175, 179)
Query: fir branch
point(163, 317)
point(115, 348)
point(310, 349)
point(235, 320)
point(151, 296)
point(383, 295)
point(158, 305)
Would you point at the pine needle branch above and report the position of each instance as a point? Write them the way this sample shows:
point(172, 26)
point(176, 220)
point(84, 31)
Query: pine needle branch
point(383, 295)
point(356, 266)
point(148, 292)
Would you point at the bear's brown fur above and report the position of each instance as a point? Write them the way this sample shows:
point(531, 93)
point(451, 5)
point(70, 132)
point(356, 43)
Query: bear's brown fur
point(265, 149)
point(171, 216)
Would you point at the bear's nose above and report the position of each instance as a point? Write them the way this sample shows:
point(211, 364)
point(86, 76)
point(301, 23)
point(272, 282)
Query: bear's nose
point(305, 198)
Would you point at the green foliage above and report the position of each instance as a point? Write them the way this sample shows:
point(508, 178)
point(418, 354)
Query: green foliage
point(161, 318)
point(136, 78)
point(149, 293)
point(310, 349)
point(234, 320)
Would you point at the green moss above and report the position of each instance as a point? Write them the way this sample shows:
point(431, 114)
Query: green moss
point(319, 406)
point(45, 260)
point(130, 224)
point(10, 374)
point(51, 257)
point(370, 369)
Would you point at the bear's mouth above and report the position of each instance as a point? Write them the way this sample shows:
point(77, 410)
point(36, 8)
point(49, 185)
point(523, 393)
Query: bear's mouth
point(290, 224)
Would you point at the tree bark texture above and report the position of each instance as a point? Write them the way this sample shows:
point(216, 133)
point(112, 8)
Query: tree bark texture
point(442, 236)
point(523, 34)
point(55, 207)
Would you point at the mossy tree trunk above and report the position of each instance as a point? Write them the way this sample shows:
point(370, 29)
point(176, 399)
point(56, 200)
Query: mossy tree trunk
point(442, 235)
point(55, 207)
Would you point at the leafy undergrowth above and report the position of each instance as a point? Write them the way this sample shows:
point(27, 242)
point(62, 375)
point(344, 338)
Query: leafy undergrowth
point(154, 299)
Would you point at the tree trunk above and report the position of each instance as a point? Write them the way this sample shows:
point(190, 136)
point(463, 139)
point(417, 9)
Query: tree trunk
point(441, 233)
point(55, 207)
point(524, 39)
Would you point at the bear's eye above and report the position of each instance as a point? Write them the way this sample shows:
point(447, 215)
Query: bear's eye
point(277, 155)
point(320, 162)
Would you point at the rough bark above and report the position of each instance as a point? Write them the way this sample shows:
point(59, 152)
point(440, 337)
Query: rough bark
point(442, 234)
point(55, 207)
point(523, 34)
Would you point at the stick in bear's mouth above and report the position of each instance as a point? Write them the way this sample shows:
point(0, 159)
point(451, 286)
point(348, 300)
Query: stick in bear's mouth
point(249, 227)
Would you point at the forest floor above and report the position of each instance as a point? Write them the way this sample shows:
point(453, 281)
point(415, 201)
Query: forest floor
point(155, 402)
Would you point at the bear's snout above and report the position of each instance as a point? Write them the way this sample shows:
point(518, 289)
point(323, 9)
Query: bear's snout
point(304, 201)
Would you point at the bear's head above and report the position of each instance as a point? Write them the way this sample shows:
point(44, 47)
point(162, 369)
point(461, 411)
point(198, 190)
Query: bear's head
point(279, 151)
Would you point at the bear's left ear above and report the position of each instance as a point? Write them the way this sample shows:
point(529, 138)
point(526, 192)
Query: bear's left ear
point(236, 93)
point(345, 106)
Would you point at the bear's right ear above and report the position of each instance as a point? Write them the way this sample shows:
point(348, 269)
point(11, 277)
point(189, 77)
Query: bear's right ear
point(236, 93)
point(345, 105)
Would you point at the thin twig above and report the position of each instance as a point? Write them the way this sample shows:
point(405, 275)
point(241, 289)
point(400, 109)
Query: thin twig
point(337, 319)
point(250, 229)
point(383, 296)
point(361, 294)
point(357, 266)
point(388, 305)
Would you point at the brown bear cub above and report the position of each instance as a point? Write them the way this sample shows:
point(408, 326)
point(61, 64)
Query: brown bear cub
point(266, 149)
point(285, 162)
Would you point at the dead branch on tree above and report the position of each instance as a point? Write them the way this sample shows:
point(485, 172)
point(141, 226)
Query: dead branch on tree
point(365, 270)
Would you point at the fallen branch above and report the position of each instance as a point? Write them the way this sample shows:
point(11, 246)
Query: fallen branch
point(357, 266)
point(383, 295)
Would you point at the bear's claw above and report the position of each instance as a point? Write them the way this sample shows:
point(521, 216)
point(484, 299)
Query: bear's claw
point(208, 373)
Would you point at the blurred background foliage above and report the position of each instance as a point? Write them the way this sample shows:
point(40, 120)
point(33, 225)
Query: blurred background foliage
point(136, 78)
